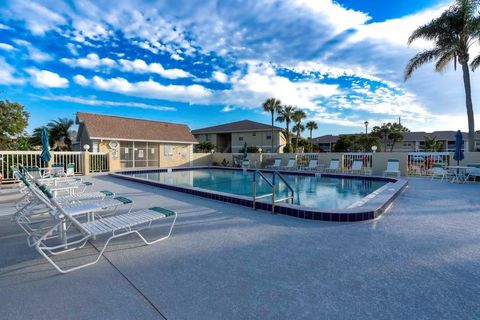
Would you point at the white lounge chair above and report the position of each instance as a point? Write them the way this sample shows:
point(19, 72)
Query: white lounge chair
point(276, 164)
point(334, 166)
point(51, 241)
point(473, 171)
point(312, 165)
point(291, 165)
point(393, 168)
point(440, 172)
point(357, 167)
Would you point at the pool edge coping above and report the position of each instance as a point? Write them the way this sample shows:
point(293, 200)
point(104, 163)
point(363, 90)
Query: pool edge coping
point(371, 209)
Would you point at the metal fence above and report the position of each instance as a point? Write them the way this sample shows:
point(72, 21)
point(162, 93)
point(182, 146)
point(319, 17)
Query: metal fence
point(98, 162)
point(421, 163)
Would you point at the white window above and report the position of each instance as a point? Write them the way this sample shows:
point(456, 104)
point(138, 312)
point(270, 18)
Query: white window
point(168, 150)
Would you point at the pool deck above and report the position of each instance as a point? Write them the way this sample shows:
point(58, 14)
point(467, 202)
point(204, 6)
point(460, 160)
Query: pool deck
point(420, 260)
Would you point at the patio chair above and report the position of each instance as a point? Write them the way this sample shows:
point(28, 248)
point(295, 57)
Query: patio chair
point(357, 167)
point(52, 243)
point(473, 171)
point(393, 168)
point(334, 166)
point(438, 171)
point(89, 207)
point(276, 164)
point(291, 165)
point(312, 165)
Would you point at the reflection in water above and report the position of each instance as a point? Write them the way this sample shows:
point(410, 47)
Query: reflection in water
point(310, 191)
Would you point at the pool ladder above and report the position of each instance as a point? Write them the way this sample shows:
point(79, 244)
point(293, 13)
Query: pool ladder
point(276, 174)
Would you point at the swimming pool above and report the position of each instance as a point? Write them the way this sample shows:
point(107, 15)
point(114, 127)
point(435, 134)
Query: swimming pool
point(319, 197)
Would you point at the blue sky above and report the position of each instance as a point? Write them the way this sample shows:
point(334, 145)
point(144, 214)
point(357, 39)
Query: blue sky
point(207, 62)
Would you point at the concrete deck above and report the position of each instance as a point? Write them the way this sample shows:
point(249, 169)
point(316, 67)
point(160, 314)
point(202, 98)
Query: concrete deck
point(421, 260)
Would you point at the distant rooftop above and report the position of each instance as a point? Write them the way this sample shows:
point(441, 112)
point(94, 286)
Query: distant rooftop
point(101, 126)
point(237, 126)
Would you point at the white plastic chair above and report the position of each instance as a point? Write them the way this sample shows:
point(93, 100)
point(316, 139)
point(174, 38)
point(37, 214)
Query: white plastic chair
point(334, 166)
point(393, 168)
point(312, 165)
point(291, 165)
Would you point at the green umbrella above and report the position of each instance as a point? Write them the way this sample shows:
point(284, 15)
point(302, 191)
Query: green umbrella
point(45, 155)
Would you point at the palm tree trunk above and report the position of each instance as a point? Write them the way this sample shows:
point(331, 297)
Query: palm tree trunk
point(385, 143)
point(288, 133)
point(273, 116)
point(469, 105)
point(296, 141)
point(311, 130)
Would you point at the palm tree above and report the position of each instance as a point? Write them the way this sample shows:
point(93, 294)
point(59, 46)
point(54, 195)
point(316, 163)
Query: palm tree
point(432, 144)
point(60, 130)
point(285, 114)
point(453, 33)
point(36, 137)
point(311, 125)
point(298, 116)
point(272, 105)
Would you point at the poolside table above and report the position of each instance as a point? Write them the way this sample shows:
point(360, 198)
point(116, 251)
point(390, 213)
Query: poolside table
point(459, 173)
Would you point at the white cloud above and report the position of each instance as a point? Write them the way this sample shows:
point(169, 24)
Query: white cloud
point(91, 61)
point(152, 89)
point(7, 74)
point(140, 66)
point(93, 101)
point(33, 53)
point(261, 81)
point(46, 79)
point(7, 47)
point(176, 56)
point(81, 80)
point(220, 76)
point(227, 109)
point(4, 27)
point(38, 18)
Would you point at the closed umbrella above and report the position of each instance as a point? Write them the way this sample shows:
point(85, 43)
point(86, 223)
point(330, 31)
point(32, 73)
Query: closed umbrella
point(245, 151)
point(458, 155)
point(45, 155)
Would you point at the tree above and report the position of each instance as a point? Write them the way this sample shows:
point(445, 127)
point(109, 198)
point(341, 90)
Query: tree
point(311, 125)
point(285, 114)
point(36, 137)
point(432, 144)
point(13, 121)
point(345, 143)
point(382, 133)
point(453, 33)
point(272, 105)
point(60, 130)
point(389, 133)
point(205, 146)
point(297, 118)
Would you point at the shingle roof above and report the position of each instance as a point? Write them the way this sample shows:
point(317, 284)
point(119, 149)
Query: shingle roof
point(101, 126)
point(325, 139)
point(237, 126)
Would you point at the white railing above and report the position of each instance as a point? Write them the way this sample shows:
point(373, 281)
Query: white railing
point(348, 158)
point(13, 158)
point(66, 157)
point(98, 162)
point(421, 163)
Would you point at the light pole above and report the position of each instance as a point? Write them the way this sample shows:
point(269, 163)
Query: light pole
point(366, 127)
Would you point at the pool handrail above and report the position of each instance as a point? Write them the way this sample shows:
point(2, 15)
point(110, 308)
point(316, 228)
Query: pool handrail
point(255, 187)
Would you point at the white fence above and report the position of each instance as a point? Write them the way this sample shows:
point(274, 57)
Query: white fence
point(98, 162)
point(65, 157)
point(13, 158)
point(349, 158)
point(421, 163)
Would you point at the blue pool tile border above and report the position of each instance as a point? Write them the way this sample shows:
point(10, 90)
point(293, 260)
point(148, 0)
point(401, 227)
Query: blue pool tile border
point(360, 213)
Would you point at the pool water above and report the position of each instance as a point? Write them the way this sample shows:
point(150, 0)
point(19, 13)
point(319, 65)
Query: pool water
point(310, 191)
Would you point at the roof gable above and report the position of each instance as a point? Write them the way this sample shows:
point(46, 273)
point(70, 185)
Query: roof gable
point(237, 126)
point(101, 126)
